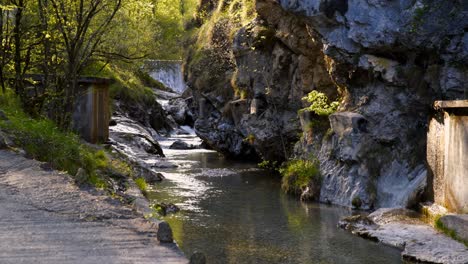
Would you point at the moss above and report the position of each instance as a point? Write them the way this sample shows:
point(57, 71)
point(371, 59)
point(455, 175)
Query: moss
point(142, 185)
point(297, 175)
point(447, 231)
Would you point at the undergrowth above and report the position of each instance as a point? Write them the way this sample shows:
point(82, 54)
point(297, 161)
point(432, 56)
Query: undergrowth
point(298, 175)
point(44, 141)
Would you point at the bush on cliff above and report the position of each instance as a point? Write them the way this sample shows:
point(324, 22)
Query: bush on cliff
point(301, 177)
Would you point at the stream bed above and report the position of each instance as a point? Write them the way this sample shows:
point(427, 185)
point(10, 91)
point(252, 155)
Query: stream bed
point(235, 213)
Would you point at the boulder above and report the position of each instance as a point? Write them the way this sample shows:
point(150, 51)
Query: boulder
point(179, 144)
point(180, 111)
point(164, 233)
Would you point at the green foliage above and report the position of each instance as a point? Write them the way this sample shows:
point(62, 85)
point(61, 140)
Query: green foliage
point(142, 185)
point(319, 104)
point(269, 165)
point(299, 174)
point(130, 84)
point(44, 141)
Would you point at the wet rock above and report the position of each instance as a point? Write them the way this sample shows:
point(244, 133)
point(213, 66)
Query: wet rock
point(164, 165)
point(180, 111)
point(150, 176)
point(165, 209)
point(197, 258)
point(164, 233)
point(401, 228)
point(130, 134)
point(457, 223)
point(112, 122)
point(179, 144)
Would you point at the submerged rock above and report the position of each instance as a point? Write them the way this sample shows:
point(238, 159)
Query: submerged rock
point(179, 144)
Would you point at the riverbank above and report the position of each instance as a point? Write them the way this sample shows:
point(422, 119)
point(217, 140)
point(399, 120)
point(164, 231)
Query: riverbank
point(46, 218)
point(405, 230)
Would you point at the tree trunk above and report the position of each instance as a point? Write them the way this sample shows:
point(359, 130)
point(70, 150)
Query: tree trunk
point(19, 89)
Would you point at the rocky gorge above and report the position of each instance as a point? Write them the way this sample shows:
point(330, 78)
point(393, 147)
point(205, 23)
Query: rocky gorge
point(385, 62)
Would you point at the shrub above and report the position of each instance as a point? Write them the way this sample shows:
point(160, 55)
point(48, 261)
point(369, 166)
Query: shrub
point(319, 104)
point(299, 176)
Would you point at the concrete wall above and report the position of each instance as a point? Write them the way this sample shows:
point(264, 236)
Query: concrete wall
point(456, 163)
point(447, 157)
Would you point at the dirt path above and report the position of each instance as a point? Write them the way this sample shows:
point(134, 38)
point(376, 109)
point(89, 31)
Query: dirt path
point(45, 218)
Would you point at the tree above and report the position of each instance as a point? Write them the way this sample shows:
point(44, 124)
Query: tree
point(82, 25)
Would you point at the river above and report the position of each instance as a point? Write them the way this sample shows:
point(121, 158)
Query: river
point(235, 213)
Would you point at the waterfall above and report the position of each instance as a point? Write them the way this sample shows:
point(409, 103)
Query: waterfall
point(167, 72)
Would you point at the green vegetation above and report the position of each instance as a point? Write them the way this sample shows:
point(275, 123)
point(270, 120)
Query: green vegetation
point(269, 165)
point(449, 232)
point(44, 141)
point(319, 104)
point(142, 185)
point(300, 174)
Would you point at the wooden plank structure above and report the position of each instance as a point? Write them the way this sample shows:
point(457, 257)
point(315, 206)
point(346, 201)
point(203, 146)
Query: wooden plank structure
point(91, 114)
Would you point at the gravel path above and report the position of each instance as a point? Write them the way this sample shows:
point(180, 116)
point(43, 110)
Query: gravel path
point(45, 218)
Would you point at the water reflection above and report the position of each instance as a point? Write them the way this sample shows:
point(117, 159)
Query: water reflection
point(236, 214)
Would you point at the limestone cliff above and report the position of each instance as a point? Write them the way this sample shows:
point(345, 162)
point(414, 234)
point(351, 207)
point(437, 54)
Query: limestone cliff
point(385, 61)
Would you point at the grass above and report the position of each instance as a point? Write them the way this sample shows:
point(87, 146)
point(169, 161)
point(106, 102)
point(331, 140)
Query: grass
point(298, 175)
point(130, 83)
point(142, 185)
point(44, 141)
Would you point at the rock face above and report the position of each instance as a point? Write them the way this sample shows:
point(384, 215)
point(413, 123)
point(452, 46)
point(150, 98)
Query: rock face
point(457, 223)
point(385, 61)
point(401, 228)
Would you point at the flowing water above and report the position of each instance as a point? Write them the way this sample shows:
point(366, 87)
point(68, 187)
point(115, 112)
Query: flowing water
point(236, 213)
point(167, 72)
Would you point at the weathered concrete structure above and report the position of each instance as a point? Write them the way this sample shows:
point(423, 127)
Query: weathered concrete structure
point(447, 154)
point(91, 115)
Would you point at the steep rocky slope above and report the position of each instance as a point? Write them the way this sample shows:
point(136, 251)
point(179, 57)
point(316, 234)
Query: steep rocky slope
point(385, 61)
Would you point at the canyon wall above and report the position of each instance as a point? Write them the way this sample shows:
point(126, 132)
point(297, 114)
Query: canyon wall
point(384, 61)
